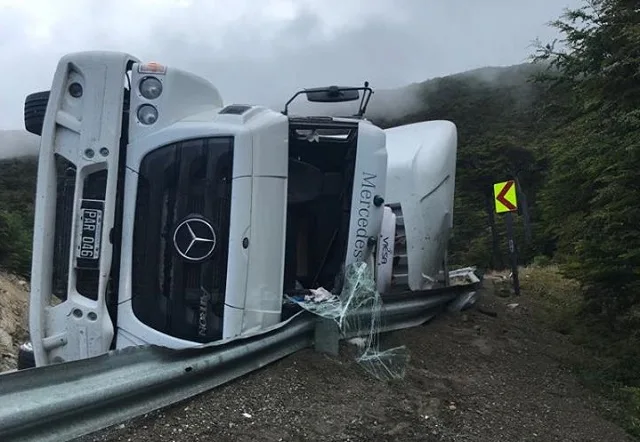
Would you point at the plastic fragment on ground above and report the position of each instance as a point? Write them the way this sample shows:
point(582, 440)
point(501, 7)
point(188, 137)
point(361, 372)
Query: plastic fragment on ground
point(357, 311)
point(463, 301)
point(463, 276)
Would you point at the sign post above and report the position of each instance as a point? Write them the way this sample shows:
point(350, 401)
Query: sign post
point(506, 201)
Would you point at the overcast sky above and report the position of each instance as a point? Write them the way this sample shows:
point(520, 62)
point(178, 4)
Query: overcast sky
point(261, 51)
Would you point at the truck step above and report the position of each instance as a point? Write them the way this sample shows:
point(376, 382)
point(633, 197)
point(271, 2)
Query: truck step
point(401, 260)
point(400, 248)
point(400, 279)
point(400, 273)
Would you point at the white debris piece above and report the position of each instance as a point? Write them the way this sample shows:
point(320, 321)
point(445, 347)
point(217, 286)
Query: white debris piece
point(463, 276)
point(319, 295)
point(358, 342)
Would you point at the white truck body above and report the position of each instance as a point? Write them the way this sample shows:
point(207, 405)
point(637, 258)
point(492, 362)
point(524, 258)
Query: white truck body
point(167, 218)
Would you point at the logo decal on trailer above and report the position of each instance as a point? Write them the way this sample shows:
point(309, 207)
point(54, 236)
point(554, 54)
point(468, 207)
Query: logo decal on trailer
point(194, 239)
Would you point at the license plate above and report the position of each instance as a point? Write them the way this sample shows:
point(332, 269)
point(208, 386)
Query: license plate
point(89, 236)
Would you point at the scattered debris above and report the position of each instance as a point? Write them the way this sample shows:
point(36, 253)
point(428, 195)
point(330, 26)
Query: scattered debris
point(320, 295)
point(359, 294)
point(464, 276)
point(358, 342)
point(463, 302)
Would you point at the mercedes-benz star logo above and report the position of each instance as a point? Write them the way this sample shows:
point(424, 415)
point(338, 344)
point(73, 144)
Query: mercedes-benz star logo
point(194, 239)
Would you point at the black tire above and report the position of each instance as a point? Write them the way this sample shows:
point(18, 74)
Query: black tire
point(35, 106)
point(25, 357)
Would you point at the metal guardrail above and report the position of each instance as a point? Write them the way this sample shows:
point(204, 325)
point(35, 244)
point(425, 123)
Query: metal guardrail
point(65, 401)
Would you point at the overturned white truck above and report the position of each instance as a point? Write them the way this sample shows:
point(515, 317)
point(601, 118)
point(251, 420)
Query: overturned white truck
point(165, 217)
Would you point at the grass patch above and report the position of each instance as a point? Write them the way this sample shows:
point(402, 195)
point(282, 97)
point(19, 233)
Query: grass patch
point(610, 363)
point(557, 298)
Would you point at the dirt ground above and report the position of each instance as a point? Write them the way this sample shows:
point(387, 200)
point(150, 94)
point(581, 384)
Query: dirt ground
point(472, 377)
point(13, 319)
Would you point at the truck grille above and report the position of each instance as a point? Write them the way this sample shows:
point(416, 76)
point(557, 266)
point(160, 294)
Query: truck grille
point(179, 182)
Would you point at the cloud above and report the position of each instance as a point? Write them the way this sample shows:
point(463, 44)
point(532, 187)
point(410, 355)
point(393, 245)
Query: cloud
point(18, 144)
point(262, 52)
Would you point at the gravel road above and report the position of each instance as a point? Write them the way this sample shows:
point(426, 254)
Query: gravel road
point(472, 377)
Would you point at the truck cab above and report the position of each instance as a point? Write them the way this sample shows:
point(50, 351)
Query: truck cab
point(165, 217)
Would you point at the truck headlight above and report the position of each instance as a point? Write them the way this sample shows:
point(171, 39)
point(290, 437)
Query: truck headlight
point(150, 88)
point(147, 114)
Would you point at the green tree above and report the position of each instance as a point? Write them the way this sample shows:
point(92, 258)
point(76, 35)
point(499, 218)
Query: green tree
point(591, 199)
point(15, 242)
point(17, 192)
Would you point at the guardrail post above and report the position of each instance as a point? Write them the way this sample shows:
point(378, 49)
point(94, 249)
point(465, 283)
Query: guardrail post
point(327, 336)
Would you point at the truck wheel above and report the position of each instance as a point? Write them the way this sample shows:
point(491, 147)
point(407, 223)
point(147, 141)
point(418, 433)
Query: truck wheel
point(35, 106)
point(25, 357)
